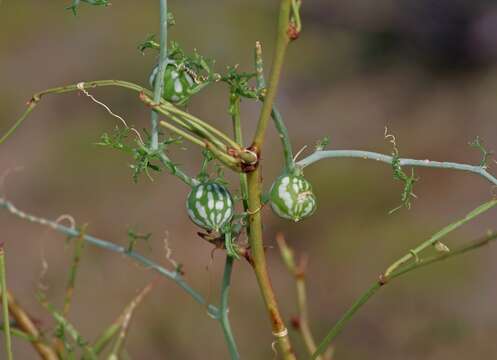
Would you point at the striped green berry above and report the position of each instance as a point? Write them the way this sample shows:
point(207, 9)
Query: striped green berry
point(178, 82)
point(210, 206)
point(292, 197)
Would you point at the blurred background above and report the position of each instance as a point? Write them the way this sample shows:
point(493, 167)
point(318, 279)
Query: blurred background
point(426, 69)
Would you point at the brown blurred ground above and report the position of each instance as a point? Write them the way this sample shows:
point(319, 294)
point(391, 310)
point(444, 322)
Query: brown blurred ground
point(425, 68)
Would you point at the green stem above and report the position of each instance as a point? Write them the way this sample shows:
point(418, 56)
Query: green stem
point(282, 42)
point(224, 308)
point(200, 131)
point(285, 139)
point(126, 319)
point(159, 80)
point(166, 108)
point(254, 180)
point(337, 329)
point(33, 102)
point(298, 272)
point(174, 170)
point(20, 334)
point(237, 131)
point(147, 263)
point(368, 155)
point(5, 305)
point(476, 244)
point(68, 327)
point(71, 282)
point(183, 134)
point(275, 114)
point(31, 106)
point(24, 323)
point(439, 235)
point(260, 266)
point(363, 299)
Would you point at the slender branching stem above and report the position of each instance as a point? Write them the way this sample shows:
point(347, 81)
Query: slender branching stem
point(159, 80)
point(373, 289)
point(198, 130)
point(185, 135)
point(176, 171)
point(31, 105)
point(414, 253)
point(224, 309)
point(79, 244)
point(19, 334)
point(338, 327)
point(107, 245)
point(298, 272)
point(282, 41)
point(125, 323)
point(194, 120)
point(5, 305)
point(401, 267)
point(238, 134)
point(69, 329)
point(120, 324)
point(275, 114)
point(368, 155)
point(33, 102)
point(173, 169)
point(473, 245)
point(228, 267)
point(285, 139)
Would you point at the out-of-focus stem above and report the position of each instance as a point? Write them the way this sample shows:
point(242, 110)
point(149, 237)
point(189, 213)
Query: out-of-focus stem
point(373, 289)
point(24, 323)
point(298, 272)
point(5, 305)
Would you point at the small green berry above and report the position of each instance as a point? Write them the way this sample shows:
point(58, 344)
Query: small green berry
point(178, 82)
point(210, 206)
point(292, 197)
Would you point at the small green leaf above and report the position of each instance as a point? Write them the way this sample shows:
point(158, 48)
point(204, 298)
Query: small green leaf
point(322, 144)
point(486, 155)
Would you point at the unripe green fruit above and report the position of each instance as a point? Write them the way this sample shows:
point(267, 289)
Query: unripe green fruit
point(210, 206)
point(292, 197)
point(178, 82)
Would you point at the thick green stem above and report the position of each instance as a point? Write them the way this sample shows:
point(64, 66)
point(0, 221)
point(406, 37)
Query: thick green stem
point(5, 305)
point(254, 180)
point(260, 266)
